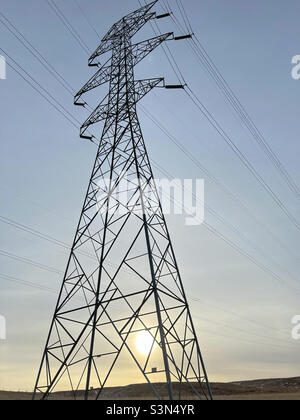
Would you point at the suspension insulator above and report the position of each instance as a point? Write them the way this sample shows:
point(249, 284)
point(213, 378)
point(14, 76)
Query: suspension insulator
point(179, 38)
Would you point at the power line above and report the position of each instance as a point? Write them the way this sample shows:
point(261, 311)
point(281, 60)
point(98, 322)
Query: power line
point(87, 18)
point(184, 16)
point(27, 283)
point(40, 57)
point(213, 179)
point(30, 262)
point(46, 237)
point(53, 105)
point(34, 232)
point(243, 340)
point(241, 156)
point(244, 331)
point(234, 314)
point(57, 105)
point(40, 89)
point(232, 244)
point(233, 228)
point(205, 60)
point(68, 25)
point(197, 102)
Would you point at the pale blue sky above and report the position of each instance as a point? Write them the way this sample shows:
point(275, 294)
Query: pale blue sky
point(45, 167)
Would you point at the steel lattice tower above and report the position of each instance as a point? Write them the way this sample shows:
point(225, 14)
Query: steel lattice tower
point(122, 276)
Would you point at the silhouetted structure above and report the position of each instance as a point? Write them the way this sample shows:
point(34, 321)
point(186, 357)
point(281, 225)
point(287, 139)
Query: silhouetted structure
point(122, 276)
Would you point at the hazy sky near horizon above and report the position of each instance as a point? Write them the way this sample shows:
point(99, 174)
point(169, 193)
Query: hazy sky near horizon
point(242, 314)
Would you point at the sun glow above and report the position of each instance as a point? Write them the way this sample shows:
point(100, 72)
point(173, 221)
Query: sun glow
point(144, 341)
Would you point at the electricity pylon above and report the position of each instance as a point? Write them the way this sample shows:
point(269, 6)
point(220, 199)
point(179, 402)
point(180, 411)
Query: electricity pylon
point(122, 278)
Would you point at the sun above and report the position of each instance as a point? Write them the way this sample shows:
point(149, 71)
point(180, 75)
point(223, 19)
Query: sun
point(144, 341)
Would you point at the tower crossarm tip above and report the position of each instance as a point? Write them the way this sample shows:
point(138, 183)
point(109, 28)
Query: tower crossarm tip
point(101, 77)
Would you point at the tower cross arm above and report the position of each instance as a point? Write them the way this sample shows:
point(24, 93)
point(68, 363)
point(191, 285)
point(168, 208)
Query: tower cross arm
point(142, 49)
point(139, 52)
point(104, 110)
point(131, 23)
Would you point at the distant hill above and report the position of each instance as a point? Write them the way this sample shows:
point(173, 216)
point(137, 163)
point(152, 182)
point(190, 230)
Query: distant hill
point(262, 389)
